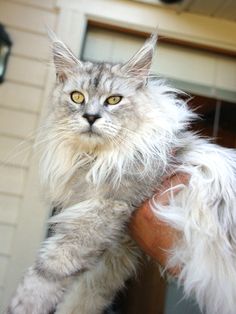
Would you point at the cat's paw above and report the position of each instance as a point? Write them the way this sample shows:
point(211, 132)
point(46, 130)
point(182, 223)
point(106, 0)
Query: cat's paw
point(36, 295)
point(21, 307)
point(26, 300)
point(57, 262)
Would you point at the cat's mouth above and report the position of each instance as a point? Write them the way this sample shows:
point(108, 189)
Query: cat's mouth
point(90, 133)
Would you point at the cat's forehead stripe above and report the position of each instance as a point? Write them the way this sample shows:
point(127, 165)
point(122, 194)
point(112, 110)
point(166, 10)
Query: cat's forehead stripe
point(98, 75)
point(96, 81)
point(102, 78)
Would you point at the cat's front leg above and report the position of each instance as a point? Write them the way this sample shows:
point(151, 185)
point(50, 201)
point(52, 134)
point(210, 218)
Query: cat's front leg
point(37, 295)
point(95, 289)
point(82, 233)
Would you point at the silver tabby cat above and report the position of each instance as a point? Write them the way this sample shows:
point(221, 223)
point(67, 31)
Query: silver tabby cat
point(112, 133)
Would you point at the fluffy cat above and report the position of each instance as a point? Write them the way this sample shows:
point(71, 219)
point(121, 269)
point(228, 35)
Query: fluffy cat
point(112, 133)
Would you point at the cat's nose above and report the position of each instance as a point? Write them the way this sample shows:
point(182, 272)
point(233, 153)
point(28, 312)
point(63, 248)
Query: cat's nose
point(91, 118)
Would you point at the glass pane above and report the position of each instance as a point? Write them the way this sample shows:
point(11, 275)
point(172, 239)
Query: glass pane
point(177, 304)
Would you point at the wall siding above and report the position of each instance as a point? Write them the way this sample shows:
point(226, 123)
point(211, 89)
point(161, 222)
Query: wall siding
point(29, 45)
point(13, 179)
point(9, 209)
point(6, 236)
point(17, 123)
point(1, 296)
point(45, 4)
point(3, 268)
point(14, 151)
point(21, 98)
point(25, 17)
point(27, 71)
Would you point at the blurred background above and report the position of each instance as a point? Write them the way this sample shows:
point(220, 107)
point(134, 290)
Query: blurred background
point(196, 53)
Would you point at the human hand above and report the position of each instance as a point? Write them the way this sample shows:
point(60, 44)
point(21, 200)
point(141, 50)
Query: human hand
point(154, 236)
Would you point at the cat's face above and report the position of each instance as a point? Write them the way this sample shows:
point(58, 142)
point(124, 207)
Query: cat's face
point(101, 104)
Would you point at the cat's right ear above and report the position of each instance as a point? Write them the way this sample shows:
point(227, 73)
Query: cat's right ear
point(139, 65)
point(64, 60)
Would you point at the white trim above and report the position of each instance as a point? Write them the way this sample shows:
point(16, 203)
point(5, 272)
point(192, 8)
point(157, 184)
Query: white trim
point(71, 28)
point(186, 26)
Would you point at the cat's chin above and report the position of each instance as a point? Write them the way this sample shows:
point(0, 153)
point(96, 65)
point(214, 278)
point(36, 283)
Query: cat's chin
point(90, 141)
point(90, 134)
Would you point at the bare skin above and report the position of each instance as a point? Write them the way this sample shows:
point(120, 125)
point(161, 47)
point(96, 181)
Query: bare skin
point(154, 236)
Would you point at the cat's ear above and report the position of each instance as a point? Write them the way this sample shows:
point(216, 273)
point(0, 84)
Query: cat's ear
point(64, 60)
point(139, 65)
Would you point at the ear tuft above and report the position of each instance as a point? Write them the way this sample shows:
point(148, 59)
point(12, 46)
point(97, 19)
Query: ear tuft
point(64, 60)
point(139, 65)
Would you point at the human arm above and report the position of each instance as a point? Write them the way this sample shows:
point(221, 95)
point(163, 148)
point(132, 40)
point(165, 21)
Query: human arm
point(154, 236)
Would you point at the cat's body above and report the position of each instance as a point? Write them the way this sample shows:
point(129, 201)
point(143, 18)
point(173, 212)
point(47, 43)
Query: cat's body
point(111, 137)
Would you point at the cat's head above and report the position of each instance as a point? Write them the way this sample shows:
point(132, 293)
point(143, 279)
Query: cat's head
point(100, 104)
point(113, 114)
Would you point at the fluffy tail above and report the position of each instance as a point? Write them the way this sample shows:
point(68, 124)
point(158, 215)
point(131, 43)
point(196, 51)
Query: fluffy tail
point(205, 213)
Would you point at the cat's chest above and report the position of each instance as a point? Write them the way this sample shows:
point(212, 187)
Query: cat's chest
point(132, 189)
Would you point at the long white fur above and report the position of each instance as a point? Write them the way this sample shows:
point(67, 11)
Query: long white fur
point(205, 213)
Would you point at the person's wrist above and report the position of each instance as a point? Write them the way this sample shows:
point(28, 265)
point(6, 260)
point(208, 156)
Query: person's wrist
point(154, 236)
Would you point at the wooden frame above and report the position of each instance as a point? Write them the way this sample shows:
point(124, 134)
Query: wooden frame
point(163, 39)
point(186, 29)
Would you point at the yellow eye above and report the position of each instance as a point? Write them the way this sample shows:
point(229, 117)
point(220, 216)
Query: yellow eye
point(113, 100)
point(77, 97)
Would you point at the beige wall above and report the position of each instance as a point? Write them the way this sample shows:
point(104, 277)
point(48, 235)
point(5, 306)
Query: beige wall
point(21, 98)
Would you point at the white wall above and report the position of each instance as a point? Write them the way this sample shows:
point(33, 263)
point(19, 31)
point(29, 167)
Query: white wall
point(21, 97)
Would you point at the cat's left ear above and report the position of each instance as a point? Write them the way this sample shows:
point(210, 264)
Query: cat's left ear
point(64, 60)
point(139, 65)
